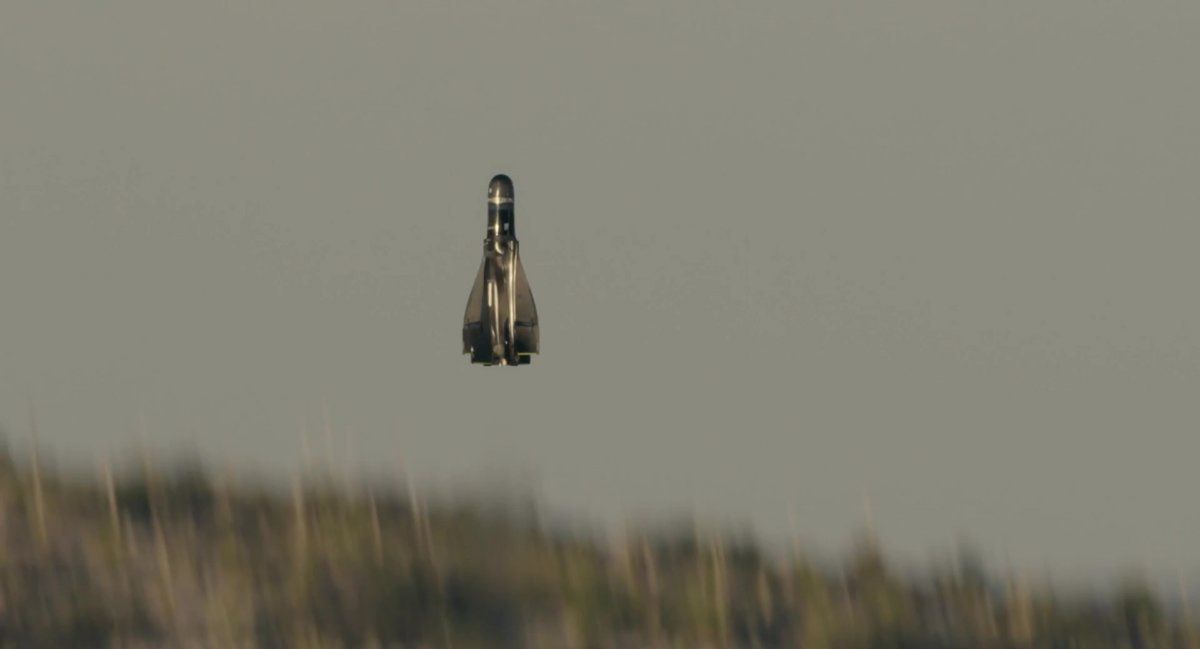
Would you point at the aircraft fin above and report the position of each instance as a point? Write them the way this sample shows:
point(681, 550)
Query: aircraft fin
point(473, 326)
point(526, 329)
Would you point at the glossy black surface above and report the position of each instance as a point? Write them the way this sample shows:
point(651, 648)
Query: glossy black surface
point(500, 326)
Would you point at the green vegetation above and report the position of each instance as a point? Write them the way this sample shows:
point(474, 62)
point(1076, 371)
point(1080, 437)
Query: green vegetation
point(185, 558)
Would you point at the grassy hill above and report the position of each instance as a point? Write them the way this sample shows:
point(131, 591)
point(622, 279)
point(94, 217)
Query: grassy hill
point(183, 557)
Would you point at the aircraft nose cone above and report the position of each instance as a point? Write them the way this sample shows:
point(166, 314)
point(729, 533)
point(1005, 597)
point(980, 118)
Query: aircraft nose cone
point(500, 190)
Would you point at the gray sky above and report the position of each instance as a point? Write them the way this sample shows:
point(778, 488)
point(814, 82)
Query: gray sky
point(783, 252)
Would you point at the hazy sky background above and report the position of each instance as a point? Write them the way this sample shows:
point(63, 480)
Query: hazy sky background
point(943, 252)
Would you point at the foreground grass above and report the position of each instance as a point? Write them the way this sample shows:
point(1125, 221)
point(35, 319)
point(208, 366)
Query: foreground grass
point(185, 558)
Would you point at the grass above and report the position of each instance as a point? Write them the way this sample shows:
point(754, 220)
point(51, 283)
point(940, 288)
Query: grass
point(184, 557)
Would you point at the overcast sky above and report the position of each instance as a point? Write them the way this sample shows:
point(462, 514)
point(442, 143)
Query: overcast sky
point(940, 252)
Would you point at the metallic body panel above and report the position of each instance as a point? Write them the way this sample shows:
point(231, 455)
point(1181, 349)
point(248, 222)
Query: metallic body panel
point(500, 325)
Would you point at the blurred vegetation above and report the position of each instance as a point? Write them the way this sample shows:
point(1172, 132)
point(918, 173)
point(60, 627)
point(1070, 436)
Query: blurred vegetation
point(184, 557)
